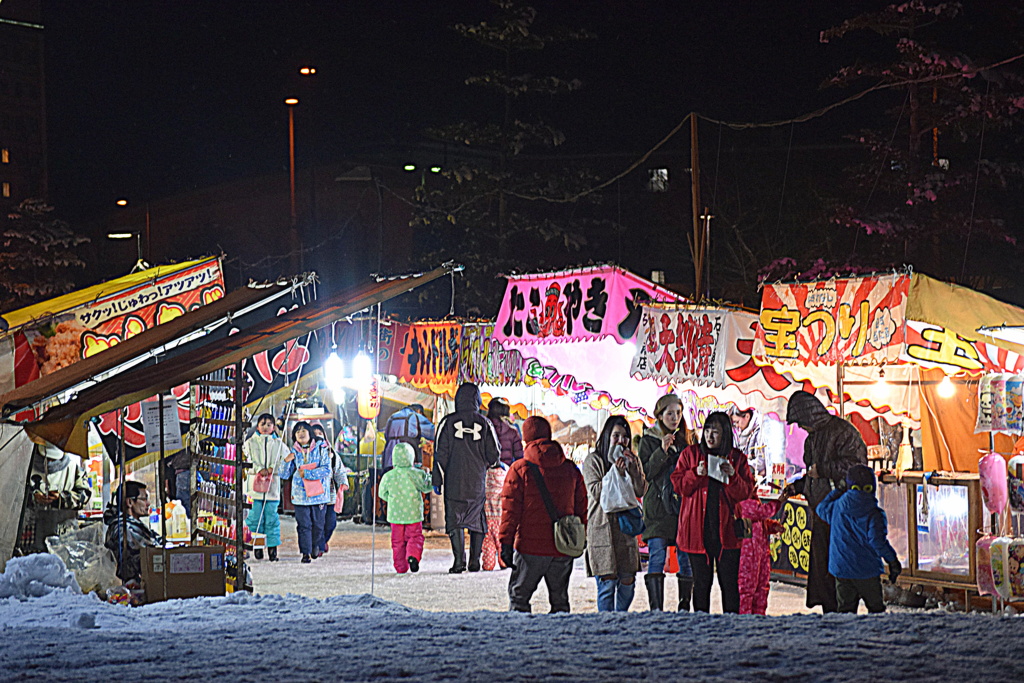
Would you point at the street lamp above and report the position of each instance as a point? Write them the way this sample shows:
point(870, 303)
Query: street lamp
point(293, 232)
point(141, 263)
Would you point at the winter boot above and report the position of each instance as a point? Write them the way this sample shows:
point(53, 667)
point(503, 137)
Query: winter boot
point(655, 591)
point(685, 591)
point(258, 553)
point(272, 554)
point(305, 559)
point(476, 544)
point(458, 551)
point(414, 565)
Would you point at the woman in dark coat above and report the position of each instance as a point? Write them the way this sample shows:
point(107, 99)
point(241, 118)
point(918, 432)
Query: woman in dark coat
point(832, 447)
point(708, 510)
point(509, 440)
point(466, 446)
point(659, 450)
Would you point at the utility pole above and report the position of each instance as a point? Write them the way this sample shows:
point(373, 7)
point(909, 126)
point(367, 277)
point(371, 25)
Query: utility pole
point(698, 241)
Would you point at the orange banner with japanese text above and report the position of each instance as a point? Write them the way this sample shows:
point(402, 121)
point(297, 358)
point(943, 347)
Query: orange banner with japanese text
point(852, 321)
point(428, 356)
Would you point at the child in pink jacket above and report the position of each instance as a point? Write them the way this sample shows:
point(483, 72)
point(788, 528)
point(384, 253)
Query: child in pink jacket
point(755, 554)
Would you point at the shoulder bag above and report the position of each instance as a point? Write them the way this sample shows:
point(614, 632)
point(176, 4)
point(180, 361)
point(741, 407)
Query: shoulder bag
point(570, 534)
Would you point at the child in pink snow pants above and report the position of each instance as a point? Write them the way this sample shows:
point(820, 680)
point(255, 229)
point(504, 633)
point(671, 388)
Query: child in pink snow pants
point(492, 511)
point(402, 488)
point(755, 555)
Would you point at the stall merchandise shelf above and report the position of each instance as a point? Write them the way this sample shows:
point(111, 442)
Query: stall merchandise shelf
point(219, 539)
point(212, 497)
point(216, 447)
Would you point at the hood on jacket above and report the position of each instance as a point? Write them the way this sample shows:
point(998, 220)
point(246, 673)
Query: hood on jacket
point(806, 411)
point(403, 455)
point(655, 430)
point(467, 398)
point(545, 453)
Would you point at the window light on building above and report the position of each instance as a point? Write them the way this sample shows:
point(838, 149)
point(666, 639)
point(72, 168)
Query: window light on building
point(5, 156)
point(5, 190)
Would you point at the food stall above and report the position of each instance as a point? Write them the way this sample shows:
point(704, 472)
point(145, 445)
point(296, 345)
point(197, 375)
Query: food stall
point(913, 351)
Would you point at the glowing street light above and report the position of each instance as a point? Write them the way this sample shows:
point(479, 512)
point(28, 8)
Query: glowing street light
point(120, 235)
point(307, 70)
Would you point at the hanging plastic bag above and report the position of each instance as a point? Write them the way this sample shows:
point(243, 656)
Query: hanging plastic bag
point(992, 473)
point(617, 491)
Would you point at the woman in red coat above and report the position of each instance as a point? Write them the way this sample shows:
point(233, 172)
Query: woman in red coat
point(712, 479)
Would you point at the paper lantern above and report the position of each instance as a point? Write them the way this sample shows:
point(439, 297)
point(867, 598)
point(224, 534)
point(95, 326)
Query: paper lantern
point(992, 472)
point(368, 400)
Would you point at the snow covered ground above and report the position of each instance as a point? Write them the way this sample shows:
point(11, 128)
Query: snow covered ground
point(66, 636)
point(345, 570)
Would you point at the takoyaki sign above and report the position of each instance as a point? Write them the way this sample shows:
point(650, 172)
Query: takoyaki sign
point(577, 305)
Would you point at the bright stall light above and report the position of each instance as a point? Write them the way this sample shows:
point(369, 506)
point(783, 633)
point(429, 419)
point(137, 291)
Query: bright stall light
point(946, 388)
point(362, 367)
point(119, 235)
point(334, 372)
point(409, 167)
point(881, 388)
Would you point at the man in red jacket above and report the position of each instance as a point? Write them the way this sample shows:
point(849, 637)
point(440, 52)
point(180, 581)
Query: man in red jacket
point(527, 533)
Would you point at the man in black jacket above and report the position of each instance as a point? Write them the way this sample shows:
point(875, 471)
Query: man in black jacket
point(466, 446)
point(832, 447)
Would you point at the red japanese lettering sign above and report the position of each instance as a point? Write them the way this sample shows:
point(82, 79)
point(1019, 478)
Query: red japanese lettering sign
point(590, 303)
point(857, 320)
point(683, 345)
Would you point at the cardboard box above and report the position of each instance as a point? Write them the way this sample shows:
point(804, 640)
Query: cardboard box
point(184, 572)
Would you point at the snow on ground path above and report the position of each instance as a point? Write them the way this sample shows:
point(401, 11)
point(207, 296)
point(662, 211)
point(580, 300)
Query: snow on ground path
point(345, 570)
point(359, 638)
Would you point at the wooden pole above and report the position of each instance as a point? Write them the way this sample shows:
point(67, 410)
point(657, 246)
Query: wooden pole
point(698, 244)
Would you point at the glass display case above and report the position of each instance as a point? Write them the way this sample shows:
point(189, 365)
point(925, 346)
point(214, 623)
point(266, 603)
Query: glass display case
point(933, 524)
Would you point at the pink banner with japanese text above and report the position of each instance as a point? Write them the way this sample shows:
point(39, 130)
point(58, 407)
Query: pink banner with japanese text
point(578, 305)
point(858, 320)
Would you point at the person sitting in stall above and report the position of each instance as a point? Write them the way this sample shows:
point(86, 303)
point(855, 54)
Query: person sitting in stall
point(57, 489)
point(128, 523)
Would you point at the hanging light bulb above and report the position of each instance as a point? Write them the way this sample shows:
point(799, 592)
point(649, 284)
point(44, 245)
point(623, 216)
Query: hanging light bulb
point(362, 367)
point(881, 388)
point(334, 375)
point(946, 387)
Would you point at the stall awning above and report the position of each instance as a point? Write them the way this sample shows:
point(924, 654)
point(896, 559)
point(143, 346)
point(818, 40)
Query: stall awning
point(161, 341)
point(42, 310)
point(63, 425)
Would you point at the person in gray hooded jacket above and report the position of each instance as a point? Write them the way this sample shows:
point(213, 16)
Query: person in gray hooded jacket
point(466, 446)
point(832, 447)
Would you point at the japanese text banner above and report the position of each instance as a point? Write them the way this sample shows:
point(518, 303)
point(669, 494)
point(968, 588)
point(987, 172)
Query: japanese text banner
point(683, 345)
point(578, 305)
point(428, 356)
point(859, 320)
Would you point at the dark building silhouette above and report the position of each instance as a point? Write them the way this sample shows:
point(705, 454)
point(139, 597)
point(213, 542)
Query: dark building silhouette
point(22, 103)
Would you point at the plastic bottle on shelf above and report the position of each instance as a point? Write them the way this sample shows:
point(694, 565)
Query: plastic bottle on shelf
point(179, 522)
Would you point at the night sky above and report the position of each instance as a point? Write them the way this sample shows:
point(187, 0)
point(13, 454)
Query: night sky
point(152, 98)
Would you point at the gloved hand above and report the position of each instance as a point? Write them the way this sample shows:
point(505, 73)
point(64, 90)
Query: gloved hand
point(895, 569)
point(437, 490)
point(507, 553)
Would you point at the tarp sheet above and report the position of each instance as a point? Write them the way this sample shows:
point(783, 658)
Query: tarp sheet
point(63, 424)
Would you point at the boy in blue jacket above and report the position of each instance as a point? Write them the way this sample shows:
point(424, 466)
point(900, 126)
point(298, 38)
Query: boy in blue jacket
point(857, 542)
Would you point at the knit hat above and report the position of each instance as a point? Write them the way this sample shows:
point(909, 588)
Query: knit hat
point(536, 428)
point(664, 403)
point(862, 477)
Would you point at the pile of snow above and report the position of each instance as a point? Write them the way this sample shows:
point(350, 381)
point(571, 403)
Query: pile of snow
point(37, 575)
